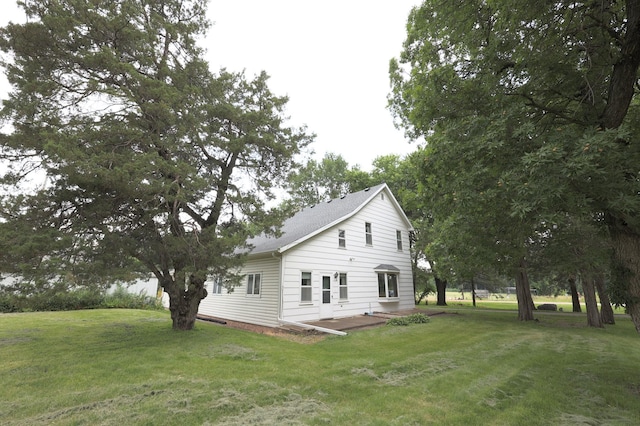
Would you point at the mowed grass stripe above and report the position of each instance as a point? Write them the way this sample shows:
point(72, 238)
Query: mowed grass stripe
point(119, 367)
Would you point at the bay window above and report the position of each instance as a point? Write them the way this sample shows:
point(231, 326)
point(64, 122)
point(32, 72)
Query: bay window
point(387, 284)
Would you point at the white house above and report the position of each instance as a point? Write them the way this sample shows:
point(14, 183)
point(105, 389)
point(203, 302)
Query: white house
point(345, 257)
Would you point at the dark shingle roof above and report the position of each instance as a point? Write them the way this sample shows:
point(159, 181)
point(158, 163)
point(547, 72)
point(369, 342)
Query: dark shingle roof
point(311, 220)
point(386, 267)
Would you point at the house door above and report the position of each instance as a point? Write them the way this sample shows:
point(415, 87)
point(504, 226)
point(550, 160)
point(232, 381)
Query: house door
point(326, 310)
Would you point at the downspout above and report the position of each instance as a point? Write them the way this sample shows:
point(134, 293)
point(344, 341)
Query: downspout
point(277, 254)
point(281, 303)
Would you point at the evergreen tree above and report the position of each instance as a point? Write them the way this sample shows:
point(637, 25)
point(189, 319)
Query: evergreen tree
point(151, 161)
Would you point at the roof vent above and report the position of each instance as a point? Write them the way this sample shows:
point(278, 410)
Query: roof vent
point(329, 201)
point(366, 189)
point(342, 196)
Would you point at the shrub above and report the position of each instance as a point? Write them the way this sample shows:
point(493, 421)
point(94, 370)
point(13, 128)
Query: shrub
point(8, 303)
point(398, 321)
point(75, 300)
point(418, 319)
point(121, 298)
point(64, 300)
point(409, 319)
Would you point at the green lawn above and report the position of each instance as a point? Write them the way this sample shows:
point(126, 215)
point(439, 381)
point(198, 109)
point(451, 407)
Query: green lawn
point(127, 367)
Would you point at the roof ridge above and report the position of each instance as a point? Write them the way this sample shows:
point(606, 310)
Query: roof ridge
point(313, 219)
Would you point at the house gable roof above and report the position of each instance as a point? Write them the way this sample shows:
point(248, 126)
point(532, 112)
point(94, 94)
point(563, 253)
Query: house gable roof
point(312, 220)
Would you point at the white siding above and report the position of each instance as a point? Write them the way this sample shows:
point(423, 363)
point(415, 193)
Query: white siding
point(239, 306)
point(322, 256)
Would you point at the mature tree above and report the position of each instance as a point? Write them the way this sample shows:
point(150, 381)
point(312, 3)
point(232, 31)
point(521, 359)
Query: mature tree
point(441, 289)
point(319, 181)
point(575, 297)
point(400, 174)
point(151, 161)
point(589, 291)
point(553, 85)
point(577, 248)
point(469, 231)
point(606, 310)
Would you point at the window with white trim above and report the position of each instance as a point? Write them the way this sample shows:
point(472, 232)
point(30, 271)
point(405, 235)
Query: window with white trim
point(399, 240)
point(305, 287)
point(253, 284)
point(217, 285)
point(368, 236)
point(343, 287)
point(387, 284)
point(342, 238)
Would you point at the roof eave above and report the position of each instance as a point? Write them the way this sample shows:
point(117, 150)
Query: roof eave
point(313, 234)
point(341, 219)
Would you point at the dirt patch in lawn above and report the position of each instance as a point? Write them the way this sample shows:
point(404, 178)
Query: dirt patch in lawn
point(301, 335)
point(295, 335)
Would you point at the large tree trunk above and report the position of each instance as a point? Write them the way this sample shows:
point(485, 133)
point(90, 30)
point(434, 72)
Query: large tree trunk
point(624, 76)
point(441, 288)
point(473, 291)
point(606, 311)
point(416, 298)
point(626, 248)
point(575, 299)
point(523, 293)
point(184, 302)
point(589, 290)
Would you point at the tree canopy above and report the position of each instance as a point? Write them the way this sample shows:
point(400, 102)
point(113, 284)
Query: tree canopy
point(151, 161)
point(318, 181)
point(531, 116)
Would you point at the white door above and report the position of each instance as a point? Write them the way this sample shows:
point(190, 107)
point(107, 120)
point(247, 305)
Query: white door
point(326, 310)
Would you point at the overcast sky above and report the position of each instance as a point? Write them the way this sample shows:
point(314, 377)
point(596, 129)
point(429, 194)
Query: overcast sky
point(331, 58)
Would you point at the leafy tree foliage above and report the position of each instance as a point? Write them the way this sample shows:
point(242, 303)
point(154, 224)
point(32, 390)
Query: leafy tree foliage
point(422, 283)
point(531, 118)
point(152, 162)
point(319, 181)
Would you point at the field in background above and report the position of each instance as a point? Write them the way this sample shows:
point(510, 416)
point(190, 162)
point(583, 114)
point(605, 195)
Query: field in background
point(470, 366)
point(507, 301)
